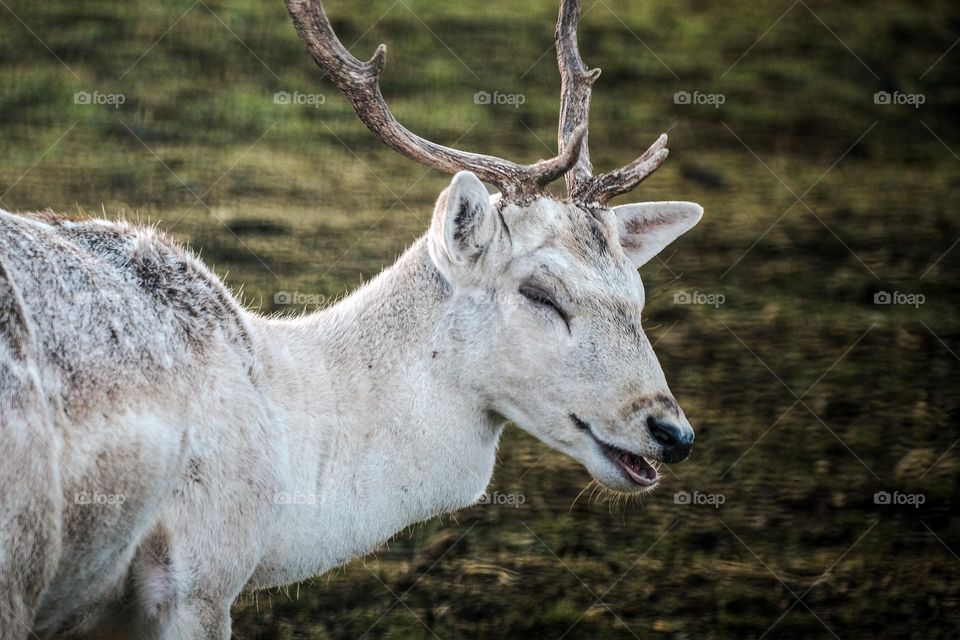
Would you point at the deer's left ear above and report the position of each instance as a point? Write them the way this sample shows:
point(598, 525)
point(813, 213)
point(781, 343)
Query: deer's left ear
point(647, 227)
point(464, 223)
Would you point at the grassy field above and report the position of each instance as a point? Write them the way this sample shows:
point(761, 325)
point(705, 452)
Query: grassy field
point(808, 397)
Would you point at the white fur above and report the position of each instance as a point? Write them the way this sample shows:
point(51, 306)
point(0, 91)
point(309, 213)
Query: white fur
point(298, 444)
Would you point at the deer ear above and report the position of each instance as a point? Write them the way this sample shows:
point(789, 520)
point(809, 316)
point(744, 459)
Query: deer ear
point(647, 227)
point(463, 224)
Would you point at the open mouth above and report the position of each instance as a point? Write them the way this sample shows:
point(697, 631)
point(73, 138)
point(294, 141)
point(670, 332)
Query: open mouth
point(637, 468)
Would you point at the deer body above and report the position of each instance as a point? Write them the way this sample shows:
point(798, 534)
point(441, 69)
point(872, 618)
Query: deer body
point(161, 448)
point(306, 448)
point(148, 372)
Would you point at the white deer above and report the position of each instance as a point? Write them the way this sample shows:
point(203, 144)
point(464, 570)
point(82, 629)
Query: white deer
point(162, 448)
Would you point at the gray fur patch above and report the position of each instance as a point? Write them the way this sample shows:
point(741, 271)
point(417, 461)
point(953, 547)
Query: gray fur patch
point(114, 308)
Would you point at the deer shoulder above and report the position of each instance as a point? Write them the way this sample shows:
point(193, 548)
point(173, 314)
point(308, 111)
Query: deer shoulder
point(113, 307)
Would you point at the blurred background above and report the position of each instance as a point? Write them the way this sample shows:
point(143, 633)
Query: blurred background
point(809, 325)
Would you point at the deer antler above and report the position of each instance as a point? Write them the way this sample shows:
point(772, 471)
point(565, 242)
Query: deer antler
point(576, 82)
point(359, 81)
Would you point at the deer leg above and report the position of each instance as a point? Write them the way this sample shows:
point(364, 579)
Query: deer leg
point(199, 617)
point(157, 583)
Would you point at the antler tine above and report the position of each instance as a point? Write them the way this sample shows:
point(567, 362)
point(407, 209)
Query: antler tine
point(576, 82)
point(359, 81)
point(606, 186)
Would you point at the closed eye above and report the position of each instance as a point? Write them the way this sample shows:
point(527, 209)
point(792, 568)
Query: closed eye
point(545, 300)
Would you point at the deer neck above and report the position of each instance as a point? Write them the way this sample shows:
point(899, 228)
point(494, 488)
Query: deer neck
point(381, 427)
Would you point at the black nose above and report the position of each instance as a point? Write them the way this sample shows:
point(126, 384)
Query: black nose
point(675, 444)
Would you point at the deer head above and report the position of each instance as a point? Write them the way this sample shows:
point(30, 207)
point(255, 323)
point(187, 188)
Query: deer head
point(545, 299)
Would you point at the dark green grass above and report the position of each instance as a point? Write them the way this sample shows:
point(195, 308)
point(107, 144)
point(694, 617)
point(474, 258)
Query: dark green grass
point(296, 198)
